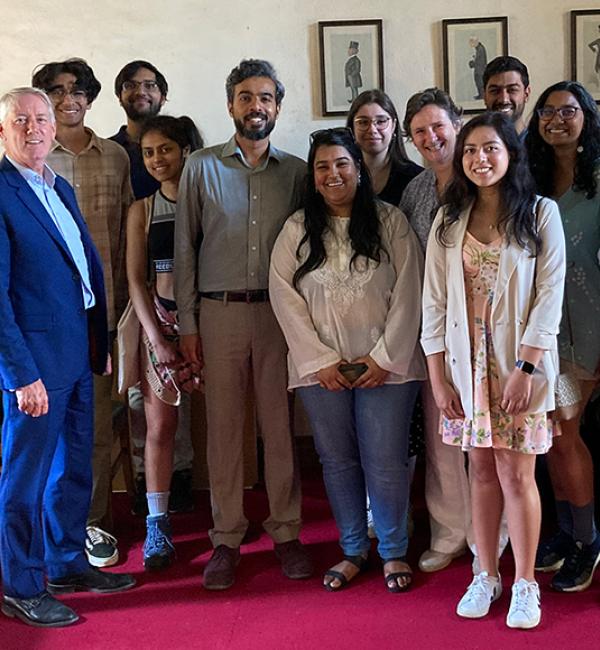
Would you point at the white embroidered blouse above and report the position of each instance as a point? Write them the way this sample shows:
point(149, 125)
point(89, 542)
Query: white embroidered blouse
point(345, 313)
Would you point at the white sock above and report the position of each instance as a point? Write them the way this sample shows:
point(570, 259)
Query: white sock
point(158, 503)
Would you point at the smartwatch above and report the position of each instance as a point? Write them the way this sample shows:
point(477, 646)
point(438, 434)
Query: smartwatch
point(525, 366)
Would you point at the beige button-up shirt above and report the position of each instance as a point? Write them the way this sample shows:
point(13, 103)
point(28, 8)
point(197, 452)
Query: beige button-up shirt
point(100, 177)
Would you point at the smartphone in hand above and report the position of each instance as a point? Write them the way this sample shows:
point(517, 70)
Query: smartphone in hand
point(352, 371)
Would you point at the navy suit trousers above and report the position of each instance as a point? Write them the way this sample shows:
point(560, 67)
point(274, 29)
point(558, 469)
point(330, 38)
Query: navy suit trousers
point(46, 477)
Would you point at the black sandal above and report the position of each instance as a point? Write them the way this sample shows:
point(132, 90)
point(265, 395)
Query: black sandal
point(391, 579)
point(358, 561)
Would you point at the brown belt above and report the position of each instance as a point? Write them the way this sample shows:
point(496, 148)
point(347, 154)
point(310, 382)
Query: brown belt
point(258, 295)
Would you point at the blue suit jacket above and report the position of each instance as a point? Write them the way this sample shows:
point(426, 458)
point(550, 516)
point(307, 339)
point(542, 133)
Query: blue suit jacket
point(46, 332)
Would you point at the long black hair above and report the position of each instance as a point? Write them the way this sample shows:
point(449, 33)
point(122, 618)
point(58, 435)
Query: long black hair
point(396, 150)
point(364, 221)
point(541, 154)
point(517, 187)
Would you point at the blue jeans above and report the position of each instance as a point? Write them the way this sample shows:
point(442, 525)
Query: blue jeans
point(361, 436)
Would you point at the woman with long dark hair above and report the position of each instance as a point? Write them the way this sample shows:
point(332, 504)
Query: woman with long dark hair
point(374, 121)
point(345, 285)
point(166, 142)
point(563, 143)
point(494, 275)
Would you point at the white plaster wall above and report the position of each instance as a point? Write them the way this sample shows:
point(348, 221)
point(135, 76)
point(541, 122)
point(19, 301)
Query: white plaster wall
point(195, 43)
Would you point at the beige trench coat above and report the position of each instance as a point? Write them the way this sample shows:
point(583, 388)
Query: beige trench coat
point(526, 309)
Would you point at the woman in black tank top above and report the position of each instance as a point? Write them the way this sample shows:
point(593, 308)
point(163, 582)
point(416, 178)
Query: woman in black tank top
point(166, 142)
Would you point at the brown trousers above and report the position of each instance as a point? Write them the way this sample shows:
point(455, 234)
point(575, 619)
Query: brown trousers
point(238, 338)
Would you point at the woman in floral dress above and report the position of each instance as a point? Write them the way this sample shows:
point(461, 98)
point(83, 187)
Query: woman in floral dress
point(494, 277)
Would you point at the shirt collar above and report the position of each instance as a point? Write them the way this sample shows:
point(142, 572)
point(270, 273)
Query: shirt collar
point(30, 176)
point(95, 142)
point(232, 148)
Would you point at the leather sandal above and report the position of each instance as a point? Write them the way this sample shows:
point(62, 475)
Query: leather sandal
point(391, 579)
point(358, 561)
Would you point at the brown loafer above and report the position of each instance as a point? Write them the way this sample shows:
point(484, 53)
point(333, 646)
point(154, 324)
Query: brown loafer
point(219, 573)
point(296, 563)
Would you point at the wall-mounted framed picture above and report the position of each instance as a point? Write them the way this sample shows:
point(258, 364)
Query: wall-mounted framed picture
point(468, 45)
point(585, 50)
point(351, 54)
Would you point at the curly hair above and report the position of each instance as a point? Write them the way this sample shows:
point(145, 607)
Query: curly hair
point(542, 160)
point(517, 187)
point(45, 75)
point(364, 228)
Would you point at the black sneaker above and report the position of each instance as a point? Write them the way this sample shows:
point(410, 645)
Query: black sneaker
point(551, 553)
point(181, 498)
point(139, 504)
point(100, 547)
point(578, 569)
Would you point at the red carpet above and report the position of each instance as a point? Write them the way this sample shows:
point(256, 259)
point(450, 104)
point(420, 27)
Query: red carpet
point(266, 611)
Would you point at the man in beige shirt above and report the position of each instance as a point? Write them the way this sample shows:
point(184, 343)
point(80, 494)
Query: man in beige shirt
point(98, 170)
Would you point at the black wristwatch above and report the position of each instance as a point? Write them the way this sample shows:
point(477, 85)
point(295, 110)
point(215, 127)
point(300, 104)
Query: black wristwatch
point(525, 366)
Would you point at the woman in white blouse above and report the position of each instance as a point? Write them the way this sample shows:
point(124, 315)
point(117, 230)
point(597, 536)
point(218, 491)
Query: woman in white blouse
point(345, 285)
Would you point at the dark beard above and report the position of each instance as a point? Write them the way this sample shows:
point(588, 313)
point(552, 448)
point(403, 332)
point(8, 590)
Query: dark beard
point(136, 116)
point(254, 134)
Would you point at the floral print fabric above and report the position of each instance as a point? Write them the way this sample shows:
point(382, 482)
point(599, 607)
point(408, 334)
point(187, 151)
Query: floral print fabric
point(529, 433)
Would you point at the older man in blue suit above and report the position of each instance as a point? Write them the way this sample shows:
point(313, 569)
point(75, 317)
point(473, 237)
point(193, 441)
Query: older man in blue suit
point(54, 333)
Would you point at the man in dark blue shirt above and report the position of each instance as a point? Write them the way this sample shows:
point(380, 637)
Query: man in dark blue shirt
point(142, 90)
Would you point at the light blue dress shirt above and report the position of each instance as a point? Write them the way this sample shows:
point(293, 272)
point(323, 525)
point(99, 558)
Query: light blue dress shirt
point(43, 187)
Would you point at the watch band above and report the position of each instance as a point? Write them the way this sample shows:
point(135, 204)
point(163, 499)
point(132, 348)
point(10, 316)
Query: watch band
point(525, 366)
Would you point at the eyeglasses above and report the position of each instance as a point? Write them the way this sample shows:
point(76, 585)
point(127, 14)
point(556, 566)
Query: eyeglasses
point(59, 93)
point(338, 130)
point(148, 86)
point(364, 123)
point(564, 112)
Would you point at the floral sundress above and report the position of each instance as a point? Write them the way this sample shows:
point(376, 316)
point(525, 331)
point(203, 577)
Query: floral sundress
point(529, 433)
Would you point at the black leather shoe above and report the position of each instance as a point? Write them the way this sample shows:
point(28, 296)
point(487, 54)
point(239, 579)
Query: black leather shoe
point(40, 611)
point(92, 580)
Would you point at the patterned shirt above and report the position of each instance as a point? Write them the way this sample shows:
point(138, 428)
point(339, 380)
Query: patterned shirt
point(581, 221)
point(420, 203)
point(100, 177)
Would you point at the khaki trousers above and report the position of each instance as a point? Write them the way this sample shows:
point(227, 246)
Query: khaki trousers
point(447, 492)
point(100, 506)
point(240, 340)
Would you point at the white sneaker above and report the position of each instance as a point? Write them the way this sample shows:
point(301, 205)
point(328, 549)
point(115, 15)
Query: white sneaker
point(100, 547)
point(524, 609)
point(481, 593)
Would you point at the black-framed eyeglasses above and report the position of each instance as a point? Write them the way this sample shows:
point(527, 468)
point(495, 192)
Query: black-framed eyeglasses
point(546, 113)
point(147, 85)
point(337, 130)
point(364, 123)
point(58, 93)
